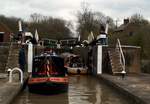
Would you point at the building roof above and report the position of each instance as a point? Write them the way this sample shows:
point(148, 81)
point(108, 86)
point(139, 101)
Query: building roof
point(6, 31)
point(121, 27)
point(4, 28)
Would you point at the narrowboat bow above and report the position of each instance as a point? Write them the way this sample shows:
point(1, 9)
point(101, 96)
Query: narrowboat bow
point(49, 75)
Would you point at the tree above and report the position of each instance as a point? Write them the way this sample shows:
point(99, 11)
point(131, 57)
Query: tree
point(49, 27)
point(138, 19)
point(90, 21)
point(10, 22)
point(85, 21)
point(36, 18)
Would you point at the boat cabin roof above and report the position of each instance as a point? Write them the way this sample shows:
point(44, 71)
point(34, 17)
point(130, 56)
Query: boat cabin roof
point(47, 55)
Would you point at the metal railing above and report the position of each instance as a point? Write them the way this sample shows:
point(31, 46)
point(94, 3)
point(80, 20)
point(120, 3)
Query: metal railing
point(11, 72)
point(122, 58)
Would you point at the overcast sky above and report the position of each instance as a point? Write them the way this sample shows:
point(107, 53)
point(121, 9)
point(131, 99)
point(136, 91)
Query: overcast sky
point(67, 8)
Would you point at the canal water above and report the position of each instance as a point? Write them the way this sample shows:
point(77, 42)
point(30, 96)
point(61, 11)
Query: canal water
point(82, 90)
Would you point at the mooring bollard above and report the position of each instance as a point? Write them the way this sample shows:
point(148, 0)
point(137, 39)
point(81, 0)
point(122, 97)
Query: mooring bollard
point(123, 74)
point(11, 72)
point(8, 71)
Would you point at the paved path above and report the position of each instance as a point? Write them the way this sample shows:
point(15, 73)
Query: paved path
point(8, 91)
point(3, 78)
point(138, 86)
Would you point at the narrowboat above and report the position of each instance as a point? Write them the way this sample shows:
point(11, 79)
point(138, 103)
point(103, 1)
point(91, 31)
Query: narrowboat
point(49, 76)
point(74, 64)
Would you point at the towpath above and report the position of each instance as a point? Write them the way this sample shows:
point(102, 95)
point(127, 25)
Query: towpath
point(136, 86)
point(8, 91)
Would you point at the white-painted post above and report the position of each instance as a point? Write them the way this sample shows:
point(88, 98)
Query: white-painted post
point(106, 28)
point(99, 59)
point(20, 25)
point(36, 36)
point(11, 72)
point(30, 57)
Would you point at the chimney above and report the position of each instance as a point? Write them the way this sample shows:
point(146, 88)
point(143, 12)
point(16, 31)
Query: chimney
point(126, 21)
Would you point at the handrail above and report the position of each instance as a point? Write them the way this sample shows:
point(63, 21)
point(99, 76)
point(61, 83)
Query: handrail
point(122, 58)
point(11, 72)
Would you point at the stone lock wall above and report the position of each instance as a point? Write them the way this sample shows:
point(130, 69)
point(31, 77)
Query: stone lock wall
point(4, 51)
point(132, 57)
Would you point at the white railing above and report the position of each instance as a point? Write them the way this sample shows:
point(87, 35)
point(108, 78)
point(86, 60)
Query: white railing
point(122, 58)
point(11, 72)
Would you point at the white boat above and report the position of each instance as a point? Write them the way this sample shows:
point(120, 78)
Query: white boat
point(77, 70)
point(74, 64)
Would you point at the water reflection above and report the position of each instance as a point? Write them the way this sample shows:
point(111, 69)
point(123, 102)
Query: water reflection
point(82, 90)
point(29, 98)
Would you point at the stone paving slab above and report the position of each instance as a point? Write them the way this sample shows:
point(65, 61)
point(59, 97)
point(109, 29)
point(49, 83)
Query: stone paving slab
point(3, 76)
point(136, 85)
point(8, 91)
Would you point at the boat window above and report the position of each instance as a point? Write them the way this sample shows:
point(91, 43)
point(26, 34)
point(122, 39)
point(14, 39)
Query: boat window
point(76, 62)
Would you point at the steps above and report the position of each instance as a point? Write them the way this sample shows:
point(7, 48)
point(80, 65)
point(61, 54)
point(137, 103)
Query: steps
point(13, 56)
point(115, 61)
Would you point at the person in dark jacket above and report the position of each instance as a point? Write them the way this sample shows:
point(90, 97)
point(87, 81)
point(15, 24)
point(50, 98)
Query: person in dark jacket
point(22, 59)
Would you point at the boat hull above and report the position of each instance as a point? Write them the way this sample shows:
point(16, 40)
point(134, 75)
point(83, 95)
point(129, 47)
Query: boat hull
point(76, 70)
point(47, 86)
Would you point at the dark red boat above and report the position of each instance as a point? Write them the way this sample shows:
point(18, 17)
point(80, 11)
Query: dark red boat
point(49, 75)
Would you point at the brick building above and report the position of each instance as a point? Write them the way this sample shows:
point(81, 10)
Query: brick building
point(4, 33)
